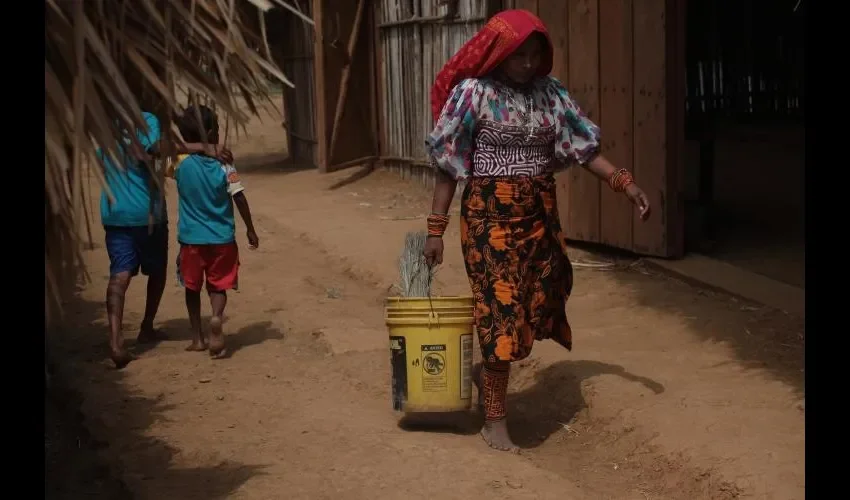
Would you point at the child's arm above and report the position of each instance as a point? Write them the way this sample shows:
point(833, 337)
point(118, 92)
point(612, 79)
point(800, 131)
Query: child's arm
point(220, 153)
point(237, 192)
point(241, 203)
point(150, 141)
point(147, 139)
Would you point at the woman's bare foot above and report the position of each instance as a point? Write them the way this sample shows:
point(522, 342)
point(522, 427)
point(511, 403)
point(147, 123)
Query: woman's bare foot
point(217, 348)
point(496, 435)
point(121, 357)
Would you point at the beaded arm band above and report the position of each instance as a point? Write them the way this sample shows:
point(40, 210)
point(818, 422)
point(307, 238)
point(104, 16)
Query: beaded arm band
point(620, 180)
point(437, 224)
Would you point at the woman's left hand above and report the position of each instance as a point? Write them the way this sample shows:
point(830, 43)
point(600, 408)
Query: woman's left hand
point(638, 197)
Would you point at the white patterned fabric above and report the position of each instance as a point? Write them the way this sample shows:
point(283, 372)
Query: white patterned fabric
point(489, 129)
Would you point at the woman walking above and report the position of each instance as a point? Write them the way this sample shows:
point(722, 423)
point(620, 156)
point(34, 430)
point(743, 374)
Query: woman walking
point(504, 126)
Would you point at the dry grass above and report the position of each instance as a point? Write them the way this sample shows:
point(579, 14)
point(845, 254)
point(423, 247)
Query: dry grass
point(106, 61)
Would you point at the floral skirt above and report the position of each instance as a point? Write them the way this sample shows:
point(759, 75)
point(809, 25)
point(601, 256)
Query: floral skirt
point(516, 260)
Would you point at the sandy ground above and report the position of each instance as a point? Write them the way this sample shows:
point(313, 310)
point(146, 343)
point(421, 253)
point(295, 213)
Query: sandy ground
point(671, 392)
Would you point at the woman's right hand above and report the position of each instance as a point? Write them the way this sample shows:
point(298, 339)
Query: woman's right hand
point(433, 251)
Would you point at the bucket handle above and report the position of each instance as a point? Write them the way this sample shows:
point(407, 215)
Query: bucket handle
point(433, 317)
point(430, 302)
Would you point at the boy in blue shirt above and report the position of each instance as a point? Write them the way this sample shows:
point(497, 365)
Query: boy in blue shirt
point(206, 228)
point(136, 227)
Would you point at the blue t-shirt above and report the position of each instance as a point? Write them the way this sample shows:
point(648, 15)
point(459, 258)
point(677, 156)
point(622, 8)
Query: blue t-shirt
point(205, 187)
point(132, 186)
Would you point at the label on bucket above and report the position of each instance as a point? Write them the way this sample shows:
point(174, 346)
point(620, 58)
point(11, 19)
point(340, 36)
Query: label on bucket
point(398, 362)
point(466, 366)
point(434, 377)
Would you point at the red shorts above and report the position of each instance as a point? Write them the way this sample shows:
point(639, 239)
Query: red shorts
point(220, 264)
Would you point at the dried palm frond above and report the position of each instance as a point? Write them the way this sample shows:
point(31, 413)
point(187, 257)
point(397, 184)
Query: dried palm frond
point(108, 60)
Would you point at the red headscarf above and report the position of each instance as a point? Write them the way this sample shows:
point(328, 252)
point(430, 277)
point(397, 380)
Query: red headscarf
point(502, 35)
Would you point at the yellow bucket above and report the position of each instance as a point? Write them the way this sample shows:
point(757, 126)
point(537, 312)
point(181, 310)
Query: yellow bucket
point(441, 315)
point(431, 354)
point(442, 311)
point(424, 303)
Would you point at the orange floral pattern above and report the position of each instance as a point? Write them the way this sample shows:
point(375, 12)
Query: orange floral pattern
point(515, 256)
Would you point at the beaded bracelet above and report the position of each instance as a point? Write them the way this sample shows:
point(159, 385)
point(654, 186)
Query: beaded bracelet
point(620, 180)
point(437, 224)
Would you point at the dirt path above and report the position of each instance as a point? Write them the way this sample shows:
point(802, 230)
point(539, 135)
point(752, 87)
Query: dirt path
point(669, 393)
point(286, 416)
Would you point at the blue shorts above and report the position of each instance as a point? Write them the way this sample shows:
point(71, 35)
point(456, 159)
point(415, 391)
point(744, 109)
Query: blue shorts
point(133, 248)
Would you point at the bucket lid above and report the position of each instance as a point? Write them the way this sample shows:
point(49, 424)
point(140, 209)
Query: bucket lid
point(425, 301)
point(435, 308)
point(425, 314)
point(429, 320)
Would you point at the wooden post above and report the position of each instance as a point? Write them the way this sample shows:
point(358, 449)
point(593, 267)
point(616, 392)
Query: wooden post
point(322, 155)
point(346, 76)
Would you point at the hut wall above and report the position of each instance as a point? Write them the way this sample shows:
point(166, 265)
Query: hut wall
point(414, 43)
point(293, 42)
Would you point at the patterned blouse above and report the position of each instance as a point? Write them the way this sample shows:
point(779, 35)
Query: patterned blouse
point(485, 129)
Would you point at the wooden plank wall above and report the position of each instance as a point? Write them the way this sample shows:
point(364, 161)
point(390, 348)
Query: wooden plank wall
point(618, 58)
point(615, 75)
point(581, 203)
point(650, 122)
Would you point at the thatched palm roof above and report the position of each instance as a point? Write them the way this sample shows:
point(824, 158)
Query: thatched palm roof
point(105, 61)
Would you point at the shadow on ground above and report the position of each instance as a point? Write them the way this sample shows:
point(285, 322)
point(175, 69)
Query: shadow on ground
point(355, 176)
point(178, 329)
point(761, 338)
point(462, 423)
point(537, 412)
point(278, 163)
point(555, 397)
point(108, 453)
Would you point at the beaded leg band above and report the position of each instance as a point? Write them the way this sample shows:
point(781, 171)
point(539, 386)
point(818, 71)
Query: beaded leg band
point(437, 224)
point(495, 387)
point(620, 180)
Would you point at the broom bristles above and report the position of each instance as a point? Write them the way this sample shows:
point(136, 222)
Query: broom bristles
point(414, 273)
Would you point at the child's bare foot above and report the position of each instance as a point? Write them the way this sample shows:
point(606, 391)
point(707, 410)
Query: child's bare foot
point(217, 348)
point(121, 357)
point(197, 345)
point(496, 435)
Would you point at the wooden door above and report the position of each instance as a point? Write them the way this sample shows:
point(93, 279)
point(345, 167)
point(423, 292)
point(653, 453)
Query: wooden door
point(659, 123)
point(346, 119)
point(623, 63)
